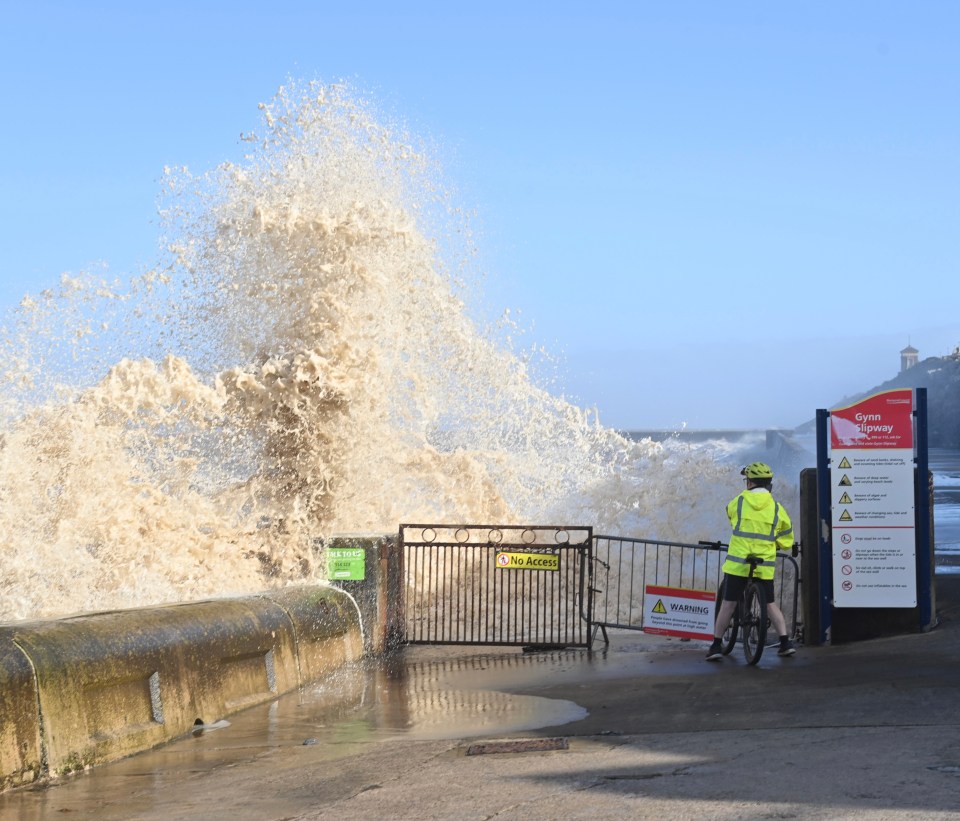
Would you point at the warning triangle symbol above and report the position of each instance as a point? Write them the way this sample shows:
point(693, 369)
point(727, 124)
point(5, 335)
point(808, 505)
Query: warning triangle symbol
point(845, 481)
point(658, 607)
point(845, 499)
point(846, 517)
point(844, 464)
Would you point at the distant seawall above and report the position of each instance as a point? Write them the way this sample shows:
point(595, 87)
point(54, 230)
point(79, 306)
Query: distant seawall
point(786, 450)
point(773, 436)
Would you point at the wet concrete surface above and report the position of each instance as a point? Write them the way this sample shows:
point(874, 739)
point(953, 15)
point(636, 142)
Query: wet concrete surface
point(868, 731)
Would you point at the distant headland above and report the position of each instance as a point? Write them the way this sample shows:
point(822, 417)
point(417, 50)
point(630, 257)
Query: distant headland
point(940, 375)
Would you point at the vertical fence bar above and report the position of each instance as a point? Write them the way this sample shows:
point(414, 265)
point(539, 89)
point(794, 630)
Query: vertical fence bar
point(489, 587)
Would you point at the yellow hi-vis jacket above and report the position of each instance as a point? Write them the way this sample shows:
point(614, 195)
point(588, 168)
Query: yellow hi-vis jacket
point(760, 526)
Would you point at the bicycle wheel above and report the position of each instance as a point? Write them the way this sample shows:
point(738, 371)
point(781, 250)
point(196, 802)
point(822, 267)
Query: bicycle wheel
point(754, 622)
point(729, 637)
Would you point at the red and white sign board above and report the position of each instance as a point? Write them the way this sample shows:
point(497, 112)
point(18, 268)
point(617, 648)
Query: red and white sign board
point(674, 611)
point(872, 502)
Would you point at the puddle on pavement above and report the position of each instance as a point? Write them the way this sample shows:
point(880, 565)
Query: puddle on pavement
point(422, 694)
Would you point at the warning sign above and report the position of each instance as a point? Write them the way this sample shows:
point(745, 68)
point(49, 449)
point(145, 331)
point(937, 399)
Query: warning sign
point(873, 502)
point(674, 611)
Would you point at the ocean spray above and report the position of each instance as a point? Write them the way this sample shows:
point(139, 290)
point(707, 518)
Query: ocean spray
point(303, 363)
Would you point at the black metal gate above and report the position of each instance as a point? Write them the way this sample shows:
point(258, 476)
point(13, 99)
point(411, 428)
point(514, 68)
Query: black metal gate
point(526, 585)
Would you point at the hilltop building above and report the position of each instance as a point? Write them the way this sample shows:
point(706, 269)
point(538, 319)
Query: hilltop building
point(909, 357)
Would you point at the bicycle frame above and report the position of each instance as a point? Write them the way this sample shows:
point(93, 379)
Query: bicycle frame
point(749, 619)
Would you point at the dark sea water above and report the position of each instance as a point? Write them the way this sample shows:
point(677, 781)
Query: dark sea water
point(945, 465)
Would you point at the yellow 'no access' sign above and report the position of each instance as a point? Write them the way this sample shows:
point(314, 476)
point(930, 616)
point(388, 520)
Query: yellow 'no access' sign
point(528, 561)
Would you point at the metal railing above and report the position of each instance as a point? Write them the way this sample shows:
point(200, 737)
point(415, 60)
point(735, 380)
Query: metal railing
point(624, 567)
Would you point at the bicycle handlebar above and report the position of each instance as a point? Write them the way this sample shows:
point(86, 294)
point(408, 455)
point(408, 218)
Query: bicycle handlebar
point(794, 550)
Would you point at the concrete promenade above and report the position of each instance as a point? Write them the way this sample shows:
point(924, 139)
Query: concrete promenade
point(860, 731)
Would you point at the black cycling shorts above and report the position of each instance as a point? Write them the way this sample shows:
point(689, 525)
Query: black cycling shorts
point(733, 587)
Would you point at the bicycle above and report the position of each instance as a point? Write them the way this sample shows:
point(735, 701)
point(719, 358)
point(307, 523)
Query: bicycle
point(749, 617)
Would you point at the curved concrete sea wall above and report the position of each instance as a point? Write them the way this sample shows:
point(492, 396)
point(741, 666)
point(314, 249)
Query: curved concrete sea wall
point(86, 690)
point(20, 754)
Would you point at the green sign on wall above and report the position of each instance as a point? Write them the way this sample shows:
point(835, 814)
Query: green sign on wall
point(345, 563)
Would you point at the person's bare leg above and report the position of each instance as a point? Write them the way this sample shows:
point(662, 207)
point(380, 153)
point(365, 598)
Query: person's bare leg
point(776, 618)
point(724, 615)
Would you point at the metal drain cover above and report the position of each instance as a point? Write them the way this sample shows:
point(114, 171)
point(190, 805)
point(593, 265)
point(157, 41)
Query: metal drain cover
point(522, 745)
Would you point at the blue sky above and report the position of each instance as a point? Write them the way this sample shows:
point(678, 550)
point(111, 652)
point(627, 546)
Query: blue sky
point(714, 214)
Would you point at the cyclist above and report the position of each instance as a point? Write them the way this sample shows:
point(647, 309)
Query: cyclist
point(761, 525)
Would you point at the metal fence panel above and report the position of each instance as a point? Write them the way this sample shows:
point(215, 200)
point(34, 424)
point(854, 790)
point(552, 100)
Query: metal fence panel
point(624, 568)
point(456, 591)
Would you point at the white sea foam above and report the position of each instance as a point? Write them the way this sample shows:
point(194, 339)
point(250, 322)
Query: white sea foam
point(304, 363)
